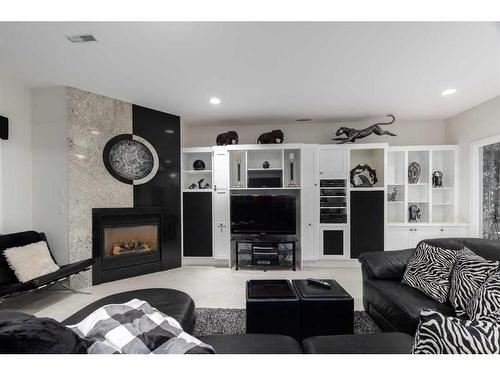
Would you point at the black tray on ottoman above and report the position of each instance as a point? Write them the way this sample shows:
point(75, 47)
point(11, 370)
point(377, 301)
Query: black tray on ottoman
point(324, 311)
point(272, 307)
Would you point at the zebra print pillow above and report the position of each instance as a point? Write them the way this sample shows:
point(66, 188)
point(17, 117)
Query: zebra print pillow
point(429, 270)
point(486, 301)
point(492, 318)
point(437, 334)
point(469, 273)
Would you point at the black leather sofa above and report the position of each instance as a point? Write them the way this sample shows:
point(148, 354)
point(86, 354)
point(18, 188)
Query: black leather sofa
point(9, 285)
point(395, 307)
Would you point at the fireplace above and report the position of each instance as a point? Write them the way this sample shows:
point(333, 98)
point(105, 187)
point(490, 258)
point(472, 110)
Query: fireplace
point(128, 242)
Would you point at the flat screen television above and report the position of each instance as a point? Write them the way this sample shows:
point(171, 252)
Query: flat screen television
point(263, 214)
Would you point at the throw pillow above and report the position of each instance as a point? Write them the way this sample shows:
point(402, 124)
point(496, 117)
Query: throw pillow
point(492, 318)
point(429, 270)
point(469, 273)
point(22, 333)
point(486, 301)
point(438, 334)
point(30, 261)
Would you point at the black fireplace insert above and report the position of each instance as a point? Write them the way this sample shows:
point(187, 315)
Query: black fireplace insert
point(128, 242)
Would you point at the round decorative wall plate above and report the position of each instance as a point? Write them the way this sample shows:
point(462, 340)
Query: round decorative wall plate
point(130, 159)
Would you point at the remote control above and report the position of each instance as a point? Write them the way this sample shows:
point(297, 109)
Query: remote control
point(321, 283)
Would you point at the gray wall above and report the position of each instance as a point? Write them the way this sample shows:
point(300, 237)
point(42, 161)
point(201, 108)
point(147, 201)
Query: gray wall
point(408, 132)
point(50, 168)
point(475, 124)
point(15, 157)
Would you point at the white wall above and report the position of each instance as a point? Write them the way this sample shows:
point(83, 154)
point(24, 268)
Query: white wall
point(408, 132)
point(16, 161)
point(50, 168)
point(477, 123)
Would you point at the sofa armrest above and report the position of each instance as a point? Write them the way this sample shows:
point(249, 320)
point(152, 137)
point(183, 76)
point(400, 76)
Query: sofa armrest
point(386, 264)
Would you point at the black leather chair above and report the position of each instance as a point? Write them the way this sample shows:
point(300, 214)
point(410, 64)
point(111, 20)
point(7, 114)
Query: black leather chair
point(9, 285)
point(394, 306)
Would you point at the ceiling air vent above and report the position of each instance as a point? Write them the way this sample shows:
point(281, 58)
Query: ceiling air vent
point(82, 38)
point(303, 120)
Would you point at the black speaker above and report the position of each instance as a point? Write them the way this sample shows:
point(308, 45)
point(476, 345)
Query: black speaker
point(4, 127)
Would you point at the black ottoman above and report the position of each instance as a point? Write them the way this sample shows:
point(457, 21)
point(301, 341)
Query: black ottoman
point(174, 303)
point(253, 344)
point(375, 343)
point(324, 311)
point(273, 307)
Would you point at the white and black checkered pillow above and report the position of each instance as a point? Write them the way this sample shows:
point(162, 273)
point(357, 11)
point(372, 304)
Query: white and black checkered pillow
point(429, 270)
point(438, 334)
point(486, 301)
point(469, 273)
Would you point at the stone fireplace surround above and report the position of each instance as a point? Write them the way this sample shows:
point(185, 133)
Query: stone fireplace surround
point(139, 238)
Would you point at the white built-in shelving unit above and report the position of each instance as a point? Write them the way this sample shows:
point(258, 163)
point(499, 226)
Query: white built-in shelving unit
point(315, 165)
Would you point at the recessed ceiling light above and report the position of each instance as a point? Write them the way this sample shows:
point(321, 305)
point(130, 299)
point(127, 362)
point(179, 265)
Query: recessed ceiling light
point(80, 156)
point(169, 131)
point(95, 132)
point(214, 101)
point(448, 92)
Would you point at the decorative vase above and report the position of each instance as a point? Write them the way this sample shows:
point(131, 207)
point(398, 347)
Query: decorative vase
point(199, 165)
point(265, 165)
point(437, 179)
point(291, 159)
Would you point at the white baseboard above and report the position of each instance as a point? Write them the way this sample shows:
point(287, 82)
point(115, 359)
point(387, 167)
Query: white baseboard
point(205, 261)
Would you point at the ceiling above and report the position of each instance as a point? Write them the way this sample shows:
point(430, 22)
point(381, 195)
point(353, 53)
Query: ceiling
point(265, 72)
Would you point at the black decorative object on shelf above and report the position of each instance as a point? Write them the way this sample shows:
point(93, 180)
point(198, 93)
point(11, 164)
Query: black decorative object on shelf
point(352, 134)
point(192, 186)
point(228, 138)
point(363, 176)
point(206, 186)
point(4, 127)
point(200, 182)
point(276, 136)
point(130, 159)
point(199, 165)
point(414, 171)
point(392, 197)
point(414, 213)
point(437, 179)
point(265, 165)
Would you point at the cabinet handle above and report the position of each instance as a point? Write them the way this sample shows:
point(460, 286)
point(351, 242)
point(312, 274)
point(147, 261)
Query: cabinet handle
point(315, 184)
point(320, 172)
point(310, 224)
point(442, 230)
point(215, 187)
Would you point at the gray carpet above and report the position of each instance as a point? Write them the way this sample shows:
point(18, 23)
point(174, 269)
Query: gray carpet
point(231, 321)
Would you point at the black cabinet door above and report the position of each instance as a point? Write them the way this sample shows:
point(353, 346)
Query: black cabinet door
point(197, 224)
point(367, 222)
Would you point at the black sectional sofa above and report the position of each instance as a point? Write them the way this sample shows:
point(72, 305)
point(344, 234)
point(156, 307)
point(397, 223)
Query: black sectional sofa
point(395, 307)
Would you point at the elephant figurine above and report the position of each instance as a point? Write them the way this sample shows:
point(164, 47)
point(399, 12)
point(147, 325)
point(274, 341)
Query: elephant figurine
point(228, 138)
point(276, 136)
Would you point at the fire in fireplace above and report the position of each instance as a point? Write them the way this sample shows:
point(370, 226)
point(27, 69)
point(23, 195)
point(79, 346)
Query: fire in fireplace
point(130, 239)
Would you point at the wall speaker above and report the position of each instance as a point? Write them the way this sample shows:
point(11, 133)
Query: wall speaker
point(4, 127)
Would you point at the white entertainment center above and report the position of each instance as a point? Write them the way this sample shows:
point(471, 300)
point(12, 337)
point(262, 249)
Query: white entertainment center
point(328, 206)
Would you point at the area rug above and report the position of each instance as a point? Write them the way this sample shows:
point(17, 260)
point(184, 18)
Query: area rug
point(232, 321)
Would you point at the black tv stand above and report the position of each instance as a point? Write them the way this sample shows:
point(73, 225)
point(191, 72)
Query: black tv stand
point(265, 252)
